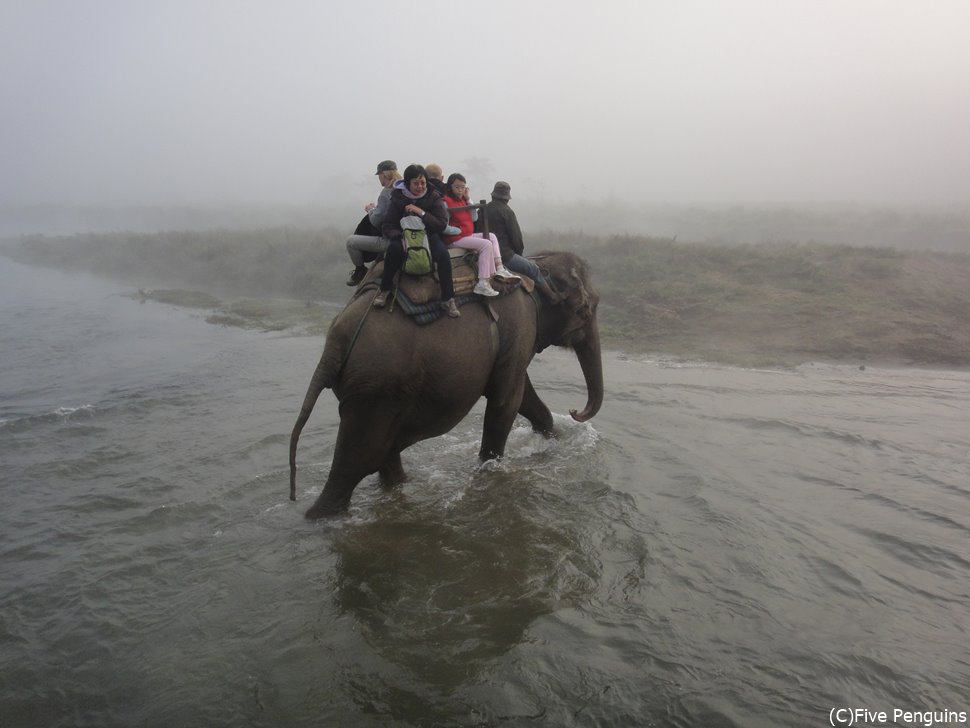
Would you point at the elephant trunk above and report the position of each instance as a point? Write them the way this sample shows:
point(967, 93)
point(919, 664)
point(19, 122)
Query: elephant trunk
point(318, 383)
point(591, 362)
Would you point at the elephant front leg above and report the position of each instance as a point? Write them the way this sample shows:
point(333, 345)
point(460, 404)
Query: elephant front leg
point(500, 414)
point(535, 410)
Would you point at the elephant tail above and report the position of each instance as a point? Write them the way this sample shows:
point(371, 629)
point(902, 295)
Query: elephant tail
point(321, 380)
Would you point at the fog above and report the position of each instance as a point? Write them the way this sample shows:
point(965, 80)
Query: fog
point(115, 103)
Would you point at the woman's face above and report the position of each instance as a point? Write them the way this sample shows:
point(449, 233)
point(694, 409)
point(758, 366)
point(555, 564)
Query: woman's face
point(418, 185)
point(458, 189)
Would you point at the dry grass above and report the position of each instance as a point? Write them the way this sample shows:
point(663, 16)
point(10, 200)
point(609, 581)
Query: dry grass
point(774, 304)
point(747, 304)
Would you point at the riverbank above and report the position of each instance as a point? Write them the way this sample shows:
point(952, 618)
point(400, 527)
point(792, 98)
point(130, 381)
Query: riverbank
point(755, 305)
point(785, 304)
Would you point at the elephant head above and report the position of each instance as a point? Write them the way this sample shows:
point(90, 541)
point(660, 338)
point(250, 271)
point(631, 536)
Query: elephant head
point(572, 323)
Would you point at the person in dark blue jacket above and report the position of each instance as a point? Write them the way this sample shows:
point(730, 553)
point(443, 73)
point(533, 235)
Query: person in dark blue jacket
point(413, 196)
point(503, 222)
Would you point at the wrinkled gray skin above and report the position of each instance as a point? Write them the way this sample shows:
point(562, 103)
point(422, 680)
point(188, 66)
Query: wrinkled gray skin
point(403, 383)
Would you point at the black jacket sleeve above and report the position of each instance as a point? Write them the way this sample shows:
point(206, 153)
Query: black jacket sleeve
point(515, 233)
point(436, 216)
point(391, 227)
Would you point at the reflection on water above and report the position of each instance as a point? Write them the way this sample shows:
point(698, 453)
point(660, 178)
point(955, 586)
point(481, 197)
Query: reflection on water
point(718, 546)
point(414, 586)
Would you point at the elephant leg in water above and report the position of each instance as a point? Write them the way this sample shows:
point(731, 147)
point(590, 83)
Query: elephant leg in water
point(365, 445)
point(535, 410)
point(500, 414)
point(391, 471)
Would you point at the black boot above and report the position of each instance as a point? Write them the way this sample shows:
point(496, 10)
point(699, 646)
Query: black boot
point(357, 276)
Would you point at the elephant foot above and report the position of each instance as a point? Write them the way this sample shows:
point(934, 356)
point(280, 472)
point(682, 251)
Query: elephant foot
point(542, 424)
point(486, 454)
point(391, 472)
point(325, 509)
point(392, 480)
point(547, 432)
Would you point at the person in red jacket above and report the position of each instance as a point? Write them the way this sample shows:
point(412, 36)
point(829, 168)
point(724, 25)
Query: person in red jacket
point(460, 233)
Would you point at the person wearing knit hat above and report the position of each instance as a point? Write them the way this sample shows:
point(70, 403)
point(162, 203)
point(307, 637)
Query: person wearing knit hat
point(503, 222)
point(502, 191)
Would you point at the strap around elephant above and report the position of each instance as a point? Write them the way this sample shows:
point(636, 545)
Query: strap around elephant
point(353, 339)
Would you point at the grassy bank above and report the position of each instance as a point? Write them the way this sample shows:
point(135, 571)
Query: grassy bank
point(787, 303)
point(747, 304)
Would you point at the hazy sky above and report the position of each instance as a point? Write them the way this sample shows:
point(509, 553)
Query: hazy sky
point(179, 102)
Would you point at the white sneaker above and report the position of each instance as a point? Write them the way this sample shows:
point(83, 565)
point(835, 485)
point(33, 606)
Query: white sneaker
point(504, 274)
point(484, 288)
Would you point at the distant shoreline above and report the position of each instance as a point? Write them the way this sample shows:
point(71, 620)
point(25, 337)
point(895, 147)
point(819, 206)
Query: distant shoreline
point(768, 305)
point(313, 319)
point(941, 227)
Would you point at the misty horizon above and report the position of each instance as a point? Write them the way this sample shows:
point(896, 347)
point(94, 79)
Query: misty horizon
point(218, 104)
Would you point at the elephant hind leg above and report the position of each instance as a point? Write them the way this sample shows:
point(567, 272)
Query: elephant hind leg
point(391, 471)
point(364, 444)
point(335, 497)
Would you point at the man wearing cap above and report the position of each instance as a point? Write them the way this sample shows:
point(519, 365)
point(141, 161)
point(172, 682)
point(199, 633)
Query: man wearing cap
point(503, 222)
point(366, 243)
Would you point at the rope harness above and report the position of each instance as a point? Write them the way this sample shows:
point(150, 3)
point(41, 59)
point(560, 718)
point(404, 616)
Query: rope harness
point(360, 324)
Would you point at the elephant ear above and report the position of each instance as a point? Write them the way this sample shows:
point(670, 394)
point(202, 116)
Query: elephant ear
point(583, 305)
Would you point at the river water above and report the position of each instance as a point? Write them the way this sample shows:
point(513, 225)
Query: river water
point(718, 547)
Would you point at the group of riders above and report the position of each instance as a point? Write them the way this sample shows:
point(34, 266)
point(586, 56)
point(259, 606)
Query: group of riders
point(444, 208)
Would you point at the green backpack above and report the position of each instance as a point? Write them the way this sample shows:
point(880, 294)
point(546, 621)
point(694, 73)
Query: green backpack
point(417, 251)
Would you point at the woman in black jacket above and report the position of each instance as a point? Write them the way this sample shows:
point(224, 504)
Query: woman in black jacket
point(413, 196)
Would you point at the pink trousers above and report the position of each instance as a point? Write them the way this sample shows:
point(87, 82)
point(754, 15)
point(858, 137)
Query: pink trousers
point(488, 252)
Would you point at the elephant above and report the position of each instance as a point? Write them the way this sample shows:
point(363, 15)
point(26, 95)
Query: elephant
point(398, 383)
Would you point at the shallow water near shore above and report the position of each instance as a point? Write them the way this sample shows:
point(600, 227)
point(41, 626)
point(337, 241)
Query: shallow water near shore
point(719, 546)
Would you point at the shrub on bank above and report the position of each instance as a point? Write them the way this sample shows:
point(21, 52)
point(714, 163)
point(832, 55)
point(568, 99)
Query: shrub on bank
point(773, 301)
